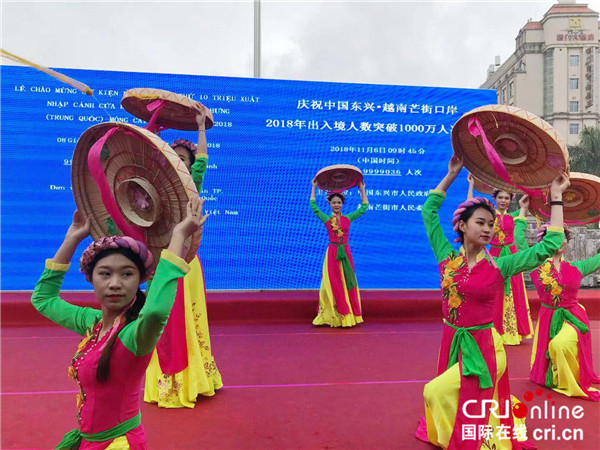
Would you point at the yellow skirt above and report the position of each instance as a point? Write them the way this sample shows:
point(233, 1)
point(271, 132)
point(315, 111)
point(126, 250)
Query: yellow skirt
point(509, 320)
point(201, 376)
point(564, 354)
point(441, 404)
point(328, 313)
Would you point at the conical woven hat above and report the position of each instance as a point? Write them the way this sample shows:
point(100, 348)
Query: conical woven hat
point(149, 182)
point(485, 188)
point(338, 178)
point(582, 199)
point(532, 151)
point(482, 187)
point(178, 113)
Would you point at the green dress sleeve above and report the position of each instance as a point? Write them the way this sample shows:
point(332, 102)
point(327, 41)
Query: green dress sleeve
point(589, 265)
point(46, 300)
point(141, 336)
point(438, 241)
point(520, 227)
point(359, 212)
point(531, 258)
point(320, 214)
point(199, 170)
point(515, 213)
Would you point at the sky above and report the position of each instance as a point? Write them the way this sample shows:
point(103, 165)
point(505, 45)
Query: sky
point(424, 43)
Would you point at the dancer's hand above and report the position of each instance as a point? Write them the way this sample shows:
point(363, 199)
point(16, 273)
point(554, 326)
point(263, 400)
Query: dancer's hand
point(314, 182)
point(471, 180)
point(524, 203)
point(559, 185)
point(79, 229)
point(201, 119)
point(193, 221)
point(455, 165)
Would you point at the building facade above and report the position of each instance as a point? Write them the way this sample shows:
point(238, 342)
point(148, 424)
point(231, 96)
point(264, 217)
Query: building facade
point(555, 69)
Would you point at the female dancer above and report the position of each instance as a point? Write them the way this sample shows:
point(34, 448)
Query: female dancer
point(119, 338)
point(182, 367)
point(472, 360)
point(561, 358)
point(512, 319)
point(339, 297)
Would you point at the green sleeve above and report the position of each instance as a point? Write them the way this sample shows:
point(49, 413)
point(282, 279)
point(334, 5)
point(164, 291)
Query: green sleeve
point(520, 241)
point(320, 214)
point(141, 336)
point(589, 265)
point(359, 212)
point(440, 245)
point(46, 300)
point(531, 258)
point(515, 213)
point(198, 171)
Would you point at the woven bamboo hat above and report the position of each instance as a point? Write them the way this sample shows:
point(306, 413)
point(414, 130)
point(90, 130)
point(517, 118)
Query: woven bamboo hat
point(482, 187)
point(338, 178)
point(148, 183)
point(582, 199)
point(485, 188)
point(532, 151)
point(179, 112)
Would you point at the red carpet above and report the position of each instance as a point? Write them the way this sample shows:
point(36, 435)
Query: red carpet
point(287, 385)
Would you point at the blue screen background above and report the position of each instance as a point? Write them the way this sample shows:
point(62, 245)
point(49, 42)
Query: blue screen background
point(270, 138)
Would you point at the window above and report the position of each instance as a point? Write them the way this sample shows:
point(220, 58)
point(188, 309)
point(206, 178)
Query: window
point(573, 128)
point(504, 95)
point(573, 106)
point(573, 83)
point(511, 90)
point(573, 60)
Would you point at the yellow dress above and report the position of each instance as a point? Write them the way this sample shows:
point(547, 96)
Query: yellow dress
point(201, 376)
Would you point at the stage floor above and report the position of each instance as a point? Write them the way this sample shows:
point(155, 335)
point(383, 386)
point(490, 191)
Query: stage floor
point(287, 386)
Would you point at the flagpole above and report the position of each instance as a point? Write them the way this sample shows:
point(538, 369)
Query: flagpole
point(256, 38)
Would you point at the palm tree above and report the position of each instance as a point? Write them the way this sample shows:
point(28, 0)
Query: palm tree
point(585, 157)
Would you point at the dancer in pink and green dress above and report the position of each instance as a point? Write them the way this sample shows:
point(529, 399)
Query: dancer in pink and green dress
point(561, 357)
point(512, 318)
point(118, 339)
point(472, 361)
point(339, 296)
point(183, 367)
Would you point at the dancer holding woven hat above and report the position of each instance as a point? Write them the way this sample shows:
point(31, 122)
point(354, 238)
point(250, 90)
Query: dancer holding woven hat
point(118, 339)
point(561, 357)
point(513, 319)
point(472, 361)
point(339, 296)
point(183, 367)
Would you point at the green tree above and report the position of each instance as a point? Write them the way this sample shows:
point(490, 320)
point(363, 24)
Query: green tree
point(585, 157)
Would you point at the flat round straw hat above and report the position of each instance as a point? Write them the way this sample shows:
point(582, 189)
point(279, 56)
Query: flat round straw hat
point(178, 112)
point(531, 150)
point(338, 178)
point(582, 199)
point(143, 179)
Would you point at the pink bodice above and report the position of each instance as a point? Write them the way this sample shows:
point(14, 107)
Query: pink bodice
point(506, 223)
point(482, 289)
point(116, 400)
point(569, 277)
point(344, 224)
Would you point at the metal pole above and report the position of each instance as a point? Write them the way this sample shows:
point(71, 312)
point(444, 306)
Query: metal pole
point(256, 38)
